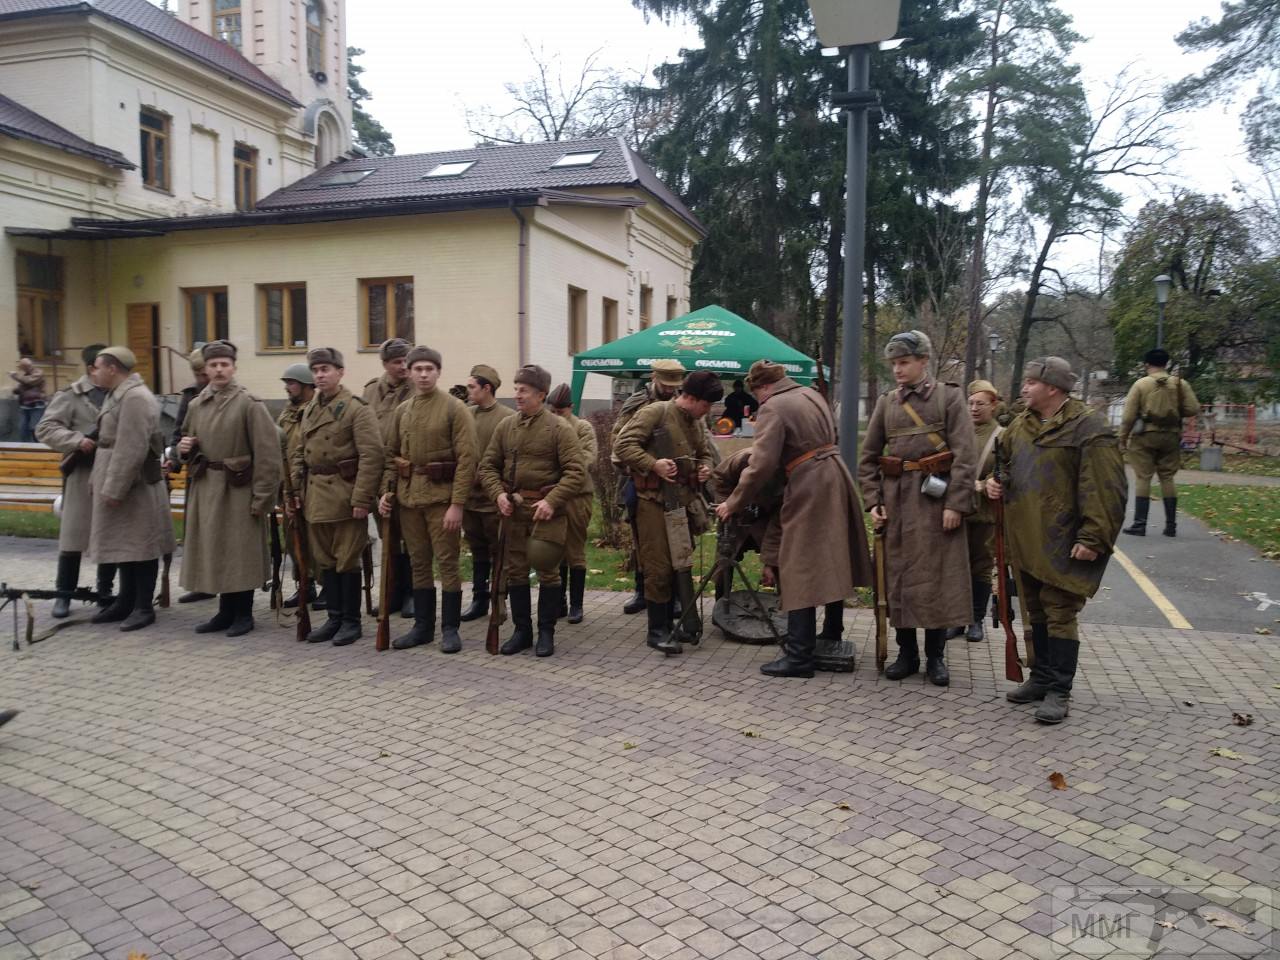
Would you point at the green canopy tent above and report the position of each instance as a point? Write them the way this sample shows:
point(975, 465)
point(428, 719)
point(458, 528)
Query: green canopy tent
point(711, 338)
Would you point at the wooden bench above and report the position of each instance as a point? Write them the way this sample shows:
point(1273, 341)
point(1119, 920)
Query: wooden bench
point(30, 479)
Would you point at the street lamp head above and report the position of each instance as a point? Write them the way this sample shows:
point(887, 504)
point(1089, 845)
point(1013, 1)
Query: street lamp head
point(993, 341)
point(846, 23)
point(1163, 283)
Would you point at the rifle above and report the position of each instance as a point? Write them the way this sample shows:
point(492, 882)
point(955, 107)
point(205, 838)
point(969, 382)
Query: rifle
point(387, 586)
point(498, 576)
point(820, 382)
point(1012, 668)
point(304, 578)
point(366, 564)
point(882, 602)
point(679, 541)
point(277, 596)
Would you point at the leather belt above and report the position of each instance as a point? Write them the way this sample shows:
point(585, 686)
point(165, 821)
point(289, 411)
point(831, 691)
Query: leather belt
point(533, 496)
point(651, 481)
point(322, 469)
point(808, 456)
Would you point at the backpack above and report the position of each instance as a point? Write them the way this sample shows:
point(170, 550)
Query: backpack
point(1162, 407)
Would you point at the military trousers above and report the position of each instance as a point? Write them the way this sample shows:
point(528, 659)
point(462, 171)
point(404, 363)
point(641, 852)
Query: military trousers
point(578, 516)
point(337, 545)
point(1052, 606)
point(430, 545)
point(481, 530)
point(1155, 452)
point(655, 551)
point(534, 545)
point(982, 549)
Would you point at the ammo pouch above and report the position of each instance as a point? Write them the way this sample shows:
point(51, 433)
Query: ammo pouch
point(937, 463)
point(199, 466)
point(239, 471)
point(347, 469)
point(699, 516)
point(891, 466)
point(404, 468)
point(441, 471)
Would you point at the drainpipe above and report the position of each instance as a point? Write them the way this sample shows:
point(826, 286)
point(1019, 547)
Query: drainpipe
point(522, 295)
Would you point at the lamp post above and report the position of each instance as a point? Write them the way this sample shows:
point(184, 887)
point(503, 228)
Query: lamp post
point(993, 342)
point(855, 28)
point(1163, 283)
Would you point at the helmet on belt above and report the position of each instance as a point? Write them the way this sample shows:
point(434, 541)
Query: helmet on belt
point(300, 372)
point(543, 554)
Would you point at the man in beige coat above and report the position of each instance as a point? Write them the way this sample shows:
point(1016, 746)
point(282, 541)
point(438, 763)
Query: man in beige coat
point(233, 449)
point(68, 427)
point(131, 524)
point(573, 570)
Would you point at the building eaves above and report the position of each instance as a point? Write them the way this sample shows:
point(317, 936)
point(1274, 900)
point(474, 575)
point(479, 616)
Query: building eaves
point(23, 124)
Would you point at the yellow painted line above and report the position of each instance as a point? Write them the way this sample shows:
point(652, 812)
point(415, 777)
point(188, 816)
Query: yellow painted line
point(1145, 584)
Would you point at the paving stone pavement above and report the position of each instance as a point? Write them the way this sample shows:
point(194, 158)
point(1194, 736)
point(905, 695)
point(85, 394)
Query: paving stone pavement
point(176, 796)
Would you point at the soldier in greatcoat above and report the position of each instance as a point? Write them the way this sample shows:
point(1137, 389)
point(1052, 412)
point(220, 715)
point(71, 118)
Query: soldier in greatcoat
point(573, 570)
point(131, 525)
point(299, 387)
point(532, 469)
point(666, 448)
point(335, 471)
point(1064, 494)
point(68, 427)
point(980, 526)
point(200, 379)
point(480, 518)
point(384, 394)
point(918, 480)
point(795, 433)
point(429, 473)
point(232, 449)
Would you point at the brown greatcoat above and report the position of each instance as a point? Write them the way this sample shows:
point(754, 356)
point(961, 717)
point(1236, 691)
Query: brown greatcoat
point(927, 567)
point(290, 424)
point(127, 468)
point(824, 540)
point(225, 547)
point(71, 415)
point(766, 528)
point(339, 429)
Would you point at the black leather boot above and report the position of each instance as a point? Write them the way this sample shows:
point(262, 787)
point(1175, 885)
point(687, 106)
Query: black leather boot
point(1170, 516)
point(1141, 507)
point(294, 600)
point(220, 620)
point(935, 667)
point(106, 580)
point(564, 592)
point(321, 602)
point(577, 588)
point(450, 617)
point(1037, 684)
point(520, 603)
point(1064, 656)
point(195, 596)
point(122, 605)
point(145, 573)
point(832, 621)
point(349, 632)
point(636, 603)
point(549, 600)
point(797, 648)
point(686, 628)
point(908, 661)
point(68, 577)
point(658, 635)
point(404, 571)
point(241, 614)
point(479, 591)
point(974, 633)
point(424, 621)
point(332, 589)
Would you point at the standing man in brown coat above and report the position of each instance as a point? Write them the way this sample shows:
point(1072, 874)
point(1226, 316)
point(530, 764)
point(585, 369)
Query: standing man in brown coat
point(430, 471)
point(480, 518)
point(683, 465)
point(574, 568)
point(980, 526)
point(299, 387)
point(533, 469)
point(384, 394)
point(795, 432)
point(336, 470)
point(68, 426)
point(233, 450)
point(917, 472)
point(131, 525)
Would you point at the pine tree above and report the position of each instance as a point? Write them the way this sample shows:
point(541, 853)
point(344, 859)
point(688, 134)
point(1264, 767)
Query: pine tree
point(367, 133)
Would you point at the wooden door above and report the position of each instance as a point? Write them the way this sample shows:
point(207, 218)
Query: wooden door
point(144, 331)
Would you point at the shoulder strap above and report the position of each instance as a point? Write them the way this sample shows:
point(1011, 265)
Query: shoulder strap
point(938, 443)
point(990, 444)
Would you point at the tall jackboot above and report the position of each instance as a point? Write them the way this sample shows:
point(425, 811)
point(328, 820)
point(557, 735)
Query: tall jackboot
point(564, 592)
point(451, 616)
point(404, 570)
point(658, 635)
point(145, 573)
point(981, 594)
point(908, 661)
point(1036, 685)
point(520, 603)
point(222, 619)
point(1064, 657)
point(106, 580)
point(331, 582)
point(1141, 507)
point(935, 667)
point(797, 648)
point(1170, 516)
point(577, 587)
point(480, 570)
point(549, 598)
point(687, 628)
point(241, 614)
point(424, 621)
point(637, 602)
point(68, 577)
point(349, 632)
point(832, 621)
point(122, 605)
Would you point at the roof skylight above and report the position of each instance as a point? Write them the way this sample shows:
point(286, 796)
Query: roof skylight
point(452, 168)
point(583, 159)
point(345, 178)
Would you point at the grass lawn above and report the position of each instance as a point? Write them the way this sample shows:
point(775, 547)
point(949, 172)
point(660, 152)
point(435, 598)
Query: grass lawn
point(1251, 514)
point(43, 526)
point(1238, 463)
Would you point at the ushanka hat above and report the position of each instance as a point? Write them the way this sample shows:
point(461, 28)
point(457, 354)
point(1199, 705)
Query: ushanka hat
point(1054, 371)
point(532, 375)
point(327, 355)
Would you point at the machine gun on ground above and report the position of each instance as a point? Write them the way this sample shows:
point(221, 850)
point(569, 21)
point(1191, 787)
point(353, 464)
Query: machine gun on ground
point(11, 595)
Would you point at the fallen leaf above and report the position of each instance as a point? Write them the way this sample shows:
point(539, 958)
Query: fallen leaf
point(382, 754)
point(595, 573)
point(1226, 922)
point(628, 745)
point(1226, 753)
point(1206, 580)
point(843, 806)
point(1188, 703)
point(1262, 631)
point(750, 733)
point(1058, 780)
point(135, 955)
point(1167, 924)
point(1242, 720)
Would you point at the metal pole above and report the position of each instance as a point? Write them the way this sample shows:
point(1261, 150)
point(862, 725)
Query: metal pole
point(1160, 326)
point(855, 226)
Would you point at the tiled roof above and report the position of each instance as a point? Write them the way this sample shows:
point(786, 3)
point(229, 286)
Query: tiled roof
point(151, 21)
point(23, 124)
point(495, 170)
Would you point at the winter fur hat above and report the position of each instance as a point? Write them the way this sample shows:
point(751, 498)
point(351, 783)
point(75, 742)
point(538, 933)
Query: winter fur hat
point(764, 372)
point(1054, 371)
point(534, 376)
point(419, 354)
point(909, 343)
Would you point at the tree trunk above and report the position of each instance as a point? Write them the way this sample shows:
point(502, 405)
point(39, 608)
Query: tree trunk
point(831, 312)
point(767, 113)
point(869, 356)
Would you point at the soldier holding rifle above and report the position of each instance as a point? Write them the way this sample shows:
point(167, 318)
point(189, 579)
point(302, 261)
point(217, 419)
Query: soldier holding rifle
point(233, 451)
point(299, 387)
point(1064, 493)
point(384, 394)
point(429, 473)
point(980, 525)
point(480, 518)
point(573, 568)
